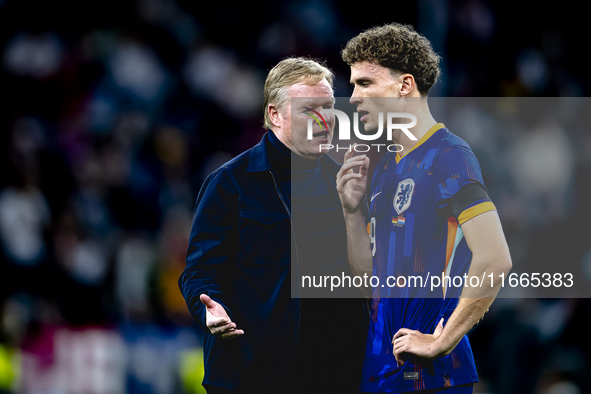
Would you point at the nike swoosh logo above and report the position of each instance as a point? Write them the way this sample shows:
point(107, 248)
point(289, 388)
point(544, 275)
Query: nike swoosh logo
point(374, 196)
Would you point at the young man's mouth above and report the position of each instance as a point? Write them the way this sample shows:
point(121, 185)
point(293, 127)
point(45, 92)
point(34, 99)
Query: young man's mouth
point(362, 115)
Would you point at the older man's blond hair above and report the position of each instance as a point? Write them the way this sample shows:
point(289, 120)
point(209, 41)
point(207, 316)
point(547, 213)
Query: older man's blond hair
point(289, 72)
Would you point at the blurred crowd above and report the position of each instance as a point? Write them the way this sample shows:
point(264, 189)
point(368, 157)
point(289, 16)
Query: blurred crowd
point(115, 112)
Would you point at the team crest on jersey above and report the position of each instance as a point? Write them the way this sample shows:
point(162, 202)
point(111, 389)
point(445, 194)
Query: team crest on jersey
point(403, 195)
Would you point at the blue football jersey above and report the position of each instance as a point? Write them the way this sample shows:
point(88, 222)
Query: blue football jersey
point(415, 236)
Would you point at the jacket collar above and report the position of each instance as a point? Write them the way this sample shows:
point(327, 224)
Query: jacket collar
point(259, 158)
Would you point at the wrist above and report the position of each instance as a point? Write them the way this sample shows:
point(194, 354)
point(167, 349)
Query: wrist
point(351, 211)
point(439, 348)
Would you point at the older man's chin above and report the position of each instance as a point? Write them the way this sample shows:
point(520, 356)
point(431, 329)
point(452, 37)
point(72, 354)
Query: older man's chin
point(324, 148)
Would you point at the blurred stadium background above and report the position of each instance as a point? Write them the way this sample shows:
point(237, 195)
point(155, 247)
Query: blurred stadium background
point(114, 112)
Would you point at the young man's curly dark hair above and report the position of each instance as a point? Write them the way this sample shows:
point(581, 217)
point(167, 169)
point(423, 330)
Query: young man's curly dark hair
point(398, 47)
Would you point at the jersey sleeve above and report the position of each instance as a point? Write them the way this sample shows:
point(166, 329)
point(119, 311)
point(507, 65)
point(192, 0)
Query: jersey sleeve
point(459, 188)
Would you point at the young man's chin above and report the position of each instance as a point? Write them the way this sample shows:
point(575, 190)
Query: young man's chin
point(370, 127)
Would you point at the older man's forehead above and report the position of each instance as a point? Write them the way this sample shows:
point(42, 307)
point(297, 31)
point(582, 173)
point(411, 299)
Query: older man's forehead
point(312, 102)
point(303, 89)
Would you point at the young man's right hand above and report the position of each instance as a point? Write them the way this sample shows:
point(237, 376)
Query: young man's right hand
point(218, 321)
point(351, 185)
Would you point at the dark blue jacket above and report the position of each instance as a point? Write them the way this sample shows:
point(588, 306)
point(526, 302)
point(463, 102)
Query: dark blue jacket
point(240, 254)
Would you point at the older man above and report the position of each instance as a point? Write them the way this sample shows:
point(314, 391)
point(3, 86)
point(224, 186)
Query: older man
point(244, 244)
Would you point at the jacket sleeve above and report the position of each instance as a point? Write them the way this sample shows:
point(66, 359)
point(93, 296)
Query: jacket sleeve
point(213, 245)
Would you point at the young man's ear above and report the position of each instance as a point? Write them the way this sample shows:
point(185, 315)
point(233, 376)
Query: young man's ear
point(408, 85)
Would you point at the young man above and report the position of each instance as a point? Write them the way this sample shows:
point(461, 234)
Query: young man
point(430, 216)
point(245, 240)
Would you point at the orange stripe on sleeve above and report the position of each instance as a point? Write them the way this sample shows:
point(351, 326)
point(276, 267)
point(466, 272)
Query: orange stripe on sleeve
point(473, 212)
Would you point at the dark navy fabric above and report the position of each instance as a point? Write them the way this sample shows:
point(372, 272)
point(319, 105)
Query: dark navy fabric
point(240, 253)
point(417, 238)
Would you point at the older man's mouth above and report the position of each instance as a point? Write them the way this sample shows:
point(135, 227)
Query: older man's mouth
point(321, 135)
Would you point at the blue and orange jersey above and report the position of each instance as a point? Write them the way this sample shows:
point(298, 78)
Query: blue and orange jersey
point(419, 202)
